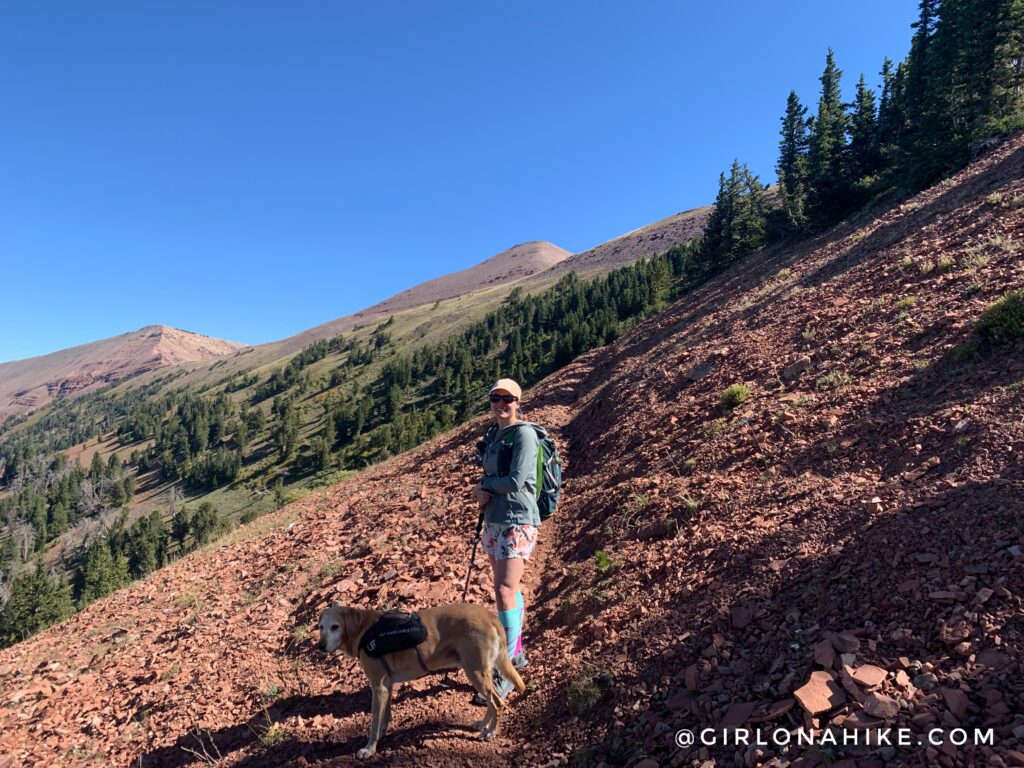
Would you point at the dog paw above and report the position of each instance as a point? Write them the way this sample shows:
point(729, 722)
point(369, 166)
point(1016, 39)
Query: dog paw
point(364, 753)
point(487, 734)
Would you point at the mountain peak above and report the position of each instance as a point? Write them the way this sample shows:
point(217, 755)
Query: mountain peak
point(33, 382)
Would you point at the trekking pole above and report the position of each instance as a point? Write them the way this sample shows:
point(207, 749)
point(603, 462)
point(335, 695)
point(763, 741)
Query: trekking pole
point(472, 558)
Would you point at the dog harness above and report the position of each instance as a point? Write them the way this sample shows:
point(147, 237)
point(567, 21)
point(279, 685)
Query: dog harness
point(393, 632)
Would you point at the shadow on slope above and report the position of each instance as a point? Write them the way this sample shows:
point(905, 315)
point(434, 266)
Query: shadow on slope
point(966, 186)
point(350, 716)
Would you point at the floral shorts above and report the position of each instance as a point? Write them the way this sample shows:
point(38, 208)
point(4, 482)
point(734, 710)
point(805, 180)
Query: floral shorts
point(507, 542)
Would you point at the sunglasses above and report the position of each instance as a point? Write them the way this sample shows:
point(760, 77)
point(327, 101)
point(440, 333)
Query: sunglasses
point(507, 399)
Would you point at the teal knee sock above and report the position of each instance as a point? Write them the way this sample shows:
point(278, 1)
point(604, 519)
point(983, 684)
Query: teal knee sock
point(510, 621)
point(522, 621)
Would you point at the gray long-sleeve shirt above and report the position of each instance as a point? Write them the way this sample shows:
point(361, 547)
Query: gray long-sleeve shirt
point(515, 495)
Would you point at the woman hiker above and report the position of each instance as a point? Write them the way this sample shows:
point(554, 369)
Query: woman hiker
point(510, 513)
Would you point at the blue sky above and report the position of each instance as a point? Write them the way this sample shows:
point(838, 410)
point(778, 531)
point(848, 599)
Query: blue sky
point(249, 170)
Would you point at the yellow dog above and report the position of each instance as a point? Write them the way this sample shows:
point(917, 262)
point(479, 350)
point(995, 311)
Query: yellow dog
point(459, 635)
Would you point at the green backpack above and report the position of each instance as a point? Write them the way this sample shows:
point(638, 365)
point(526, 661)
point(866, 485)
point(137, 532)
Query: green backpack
point(549, 464)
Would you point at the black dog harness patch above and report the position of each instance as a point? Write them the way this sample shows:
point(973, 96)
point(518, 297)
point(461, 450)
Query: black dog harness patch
point(393, 632)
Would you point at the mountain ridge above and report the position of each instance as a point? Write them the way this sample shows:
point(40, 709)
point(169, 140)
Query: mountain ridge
point(534, 264)
point(512, 264)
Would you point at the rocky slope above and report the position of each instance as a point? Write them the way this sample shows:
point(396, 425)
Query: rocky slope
point(851, 532)
point(32, 383)
point(641, 243)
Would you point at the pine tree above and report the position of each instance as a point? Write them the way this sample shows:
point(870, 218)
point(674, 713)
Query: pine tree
point(392, 402)
point(37, 600)
point(865, 159)
point(738, 224)
point(39, 524)
point(118, 497)
point(207, 523)
point(1006, 97)
point(96, 469)
point(129, 488)
point(141, 549)
point(918, 69)
point(286, 432)
point(102, 574)
point(950, 103)
point(792, 164)
point(890, 118)
point(717, 235)
point(827, 171)
point(181, 524)
point(158, 534)
point(323, 446)
point(241, 436)
point(661, 286)
point(750, 216)
point(58, 522)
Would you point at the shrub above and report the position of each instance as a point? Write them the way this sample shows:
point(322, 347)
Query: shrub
point(605, 563)
point(584, 691)
point(904, 305)
point(249, 515)
point(1003, 322)
point(834, 380)
point(965, 351)
point(733, 396)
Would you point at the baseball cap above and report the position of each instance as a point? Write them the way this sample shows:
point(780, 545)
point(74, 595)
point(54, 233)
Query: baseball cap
point(509, 386)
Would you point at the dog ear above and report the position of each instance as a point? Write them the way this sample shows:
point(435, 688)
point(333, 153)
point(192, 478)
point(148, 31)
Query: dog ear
point(349, 620)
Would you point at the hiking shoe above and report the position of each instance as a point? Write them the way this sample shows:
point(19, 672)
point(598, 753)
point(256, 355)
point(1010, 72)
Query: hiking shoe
point(519, 661)
point(502, 687)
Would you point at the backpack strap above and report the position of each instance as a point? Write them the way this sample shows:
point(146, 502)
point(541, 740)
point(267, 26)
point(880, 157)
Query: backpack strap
point(483, 442)
point(387, 667)
point(505, 457)
point(507, 441)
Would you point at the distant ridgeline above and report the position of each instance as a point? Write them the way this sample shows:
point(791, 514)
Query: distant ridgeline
point(344, 403)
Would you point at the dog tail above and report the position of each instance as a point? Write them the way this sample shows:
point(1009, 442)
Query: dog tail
point(504, 664)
